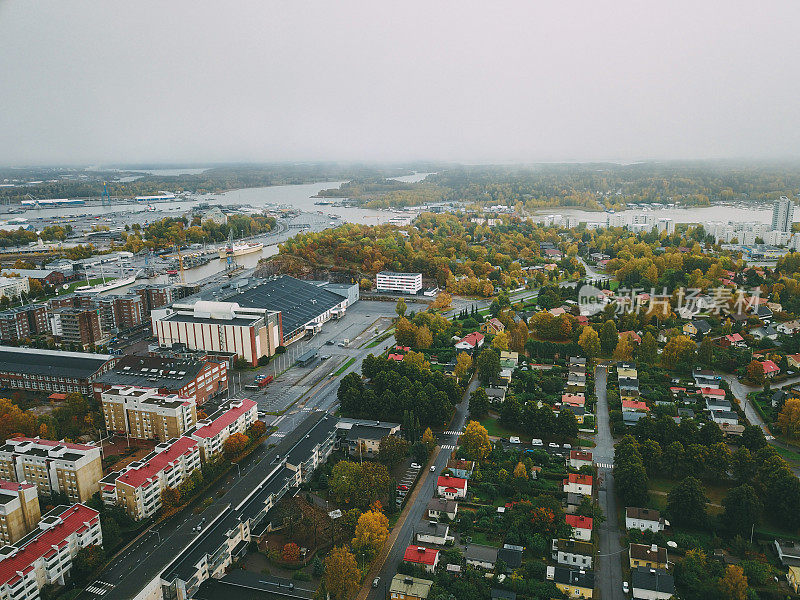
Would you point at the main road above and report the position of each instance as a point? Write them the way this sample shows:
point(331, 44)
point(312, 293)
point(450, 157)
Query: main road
point(608, 570)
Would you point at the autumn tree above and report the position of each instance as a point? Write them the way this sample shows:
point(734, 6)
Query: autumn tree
point(679, 350)
point(428, 439)
point(235, 445)
point(609, 336)
point(423, 338)
point(463, 365)
point(170, 498)
point(475, 441)
point(624, 349)
point(518, 337)
point(733, 585)
point(291, 552)
point(648, 349)
point(405, 332)
point(342, 576)
point(442, 301)
point(257, 429)
point(371, 534)
point(589, 341)
point(417, 359)
point(400, 308)
point(755, 372)
point(392, 450)
point(500, 341)
point(789, 418)
point(520, 472)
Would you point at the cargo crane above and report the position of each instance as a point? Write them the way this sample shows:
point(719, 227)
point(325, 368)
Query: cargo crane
point(105, 198)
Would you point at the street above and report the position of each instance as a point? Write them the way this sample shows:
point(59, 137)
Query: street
point(608, 570)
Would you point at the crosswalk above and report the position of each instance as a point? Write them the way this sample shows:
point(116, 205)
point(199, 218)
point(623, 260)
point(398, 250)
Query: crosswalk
point(448, 446)
point(100, 588)
point(279, 434)
point(604, 465)
point(454, 433)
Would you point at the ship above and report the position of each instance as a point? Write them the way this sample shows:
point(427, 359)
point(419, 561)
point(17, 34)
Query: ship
point(240, 249)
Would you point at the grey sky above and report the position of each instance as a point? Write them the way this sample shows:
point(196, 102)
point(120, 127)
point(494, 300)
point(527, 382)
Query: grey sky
point(108, 82)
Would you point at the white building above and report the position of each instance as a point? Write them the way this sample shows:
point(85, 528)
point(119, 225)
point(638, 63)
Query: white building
point(783, 214)
point(13, 286)
point(643, 519)
point(235, 416)
point(44, 557)
point(405, 283)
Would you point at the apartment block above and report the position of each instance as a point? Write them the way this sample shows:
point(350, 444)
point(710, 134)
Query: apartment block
point(145, 414)
point(77, 325)
point(44, 556)
point(406, 283)
point(234, 416)
point(72, 469)
point(129, 311)
point(19, 510)
point(23, 322)
point(138, 486)
point(48, 371)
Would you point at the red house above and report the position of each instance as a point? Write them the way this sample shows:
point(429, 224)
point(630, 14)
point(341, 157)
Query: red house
point(427, 558)
point(451, 487)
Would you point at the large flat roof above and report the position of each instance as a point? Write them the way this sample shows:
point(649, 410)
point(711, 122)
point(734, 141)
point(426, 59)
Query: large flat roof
point(34, 361)
point(152, 372)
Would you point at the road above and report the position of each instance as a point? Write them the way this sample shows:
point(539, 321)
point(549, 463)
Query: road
point(608, 570)
point(427, 487)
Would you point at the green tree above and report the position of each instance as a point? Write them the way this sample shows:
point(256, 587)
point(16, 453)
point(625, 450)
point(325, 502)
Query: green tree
point(392, 450)
point(742, 509)
point(400, 308)
point(686, 503)
point(87, 561)
point(488, 365)
point(566, 424)
point(648, 349)
point(478, 403)
point(679, 351)
point(609, 336)
point(705, 353)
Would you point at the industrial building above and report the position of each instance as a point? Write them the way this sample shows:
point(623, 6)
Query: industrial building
point(187, 378)
point(404, 283)
point(35, 369)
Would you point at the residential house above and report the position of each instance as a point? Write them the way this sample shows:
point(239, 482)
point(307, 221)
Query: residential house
point(580, 458)
point(573, 553)
point(652, 584)
point(420, 556)
point(788, 327)
point(788, 553)
point(496, 394)
point(725, 417)
point(793, 360)
point(793, 578)
point(433, 532)
point(770, 369)
point(572, 502)
point(712, 393)
point(511, 555)
point(643, 519)
point(767, 332)
point(578, 484)
point(713, 404)
point(632, 336)
point(578, 411)
point(705, 378)
point(581, 526)
point(509, 356)
point(498, 594)
point(634, 406)
point(451, 487)
point(481, 557)
point(764, 313)
point(439, 508)
point(734, 340)
point(696, 327)
point(575, 583)
point(405, 587)
point(630, 418)
point(652, 557)
point(573, 399)
point(364, 439)
point(470, 342)
point(461, 468)
point(493, 326)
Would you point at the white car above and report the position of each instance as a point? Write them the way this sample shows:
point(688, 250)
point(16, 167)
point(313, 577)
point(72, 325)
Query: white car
point(415, 466)
point(536, 442)
point(625, 587)
point(552, 445)
point(433, 468)
point(567, 446)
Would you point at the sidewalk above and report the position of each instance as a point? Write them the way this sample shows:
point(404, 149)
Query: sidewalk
point(377, 564)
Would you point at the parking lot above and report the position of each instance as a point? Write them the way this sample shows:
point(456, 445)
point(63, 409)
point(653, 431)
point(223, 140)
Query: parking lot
point(406, 482)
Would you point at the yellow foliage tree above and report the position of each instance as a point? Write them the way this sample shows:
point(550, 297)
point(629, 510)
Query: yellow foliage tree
point(733, 584)
point(443, 300)
point(500, 341)
point(423, 339)
point(589, 341)
point(371, 533)
point(342, 576)
point(417, 359)
point(789, 418)
point(475, 441)
point(624, 349)
point(520, 471)
point(463, 365)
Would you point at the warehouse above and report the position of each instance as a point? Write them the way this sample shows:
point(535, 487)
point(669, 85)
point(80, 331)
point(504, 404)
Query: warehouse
point(35, 369)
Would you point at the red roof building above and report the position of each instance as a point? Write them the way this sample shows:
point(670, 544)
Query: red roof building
point(471, 341)
point(451, 487)
point(631, 335)
point(395, 357)
point(235, 416)
point(427, 558)
point(635, 405)
point(579, 522)
point(573, 400)
point(770, 368)
point(709, 392)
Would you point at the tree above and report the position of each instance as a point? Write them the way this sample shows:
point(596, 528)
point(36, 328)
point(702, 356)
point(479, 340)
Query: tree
point(742, 509)
point(705, 353)
point(624, 349)
point(400, 308)
point(235, 445)
point(87, 561)
point(417, 359)
point(789, 418)
point(443, 300)
point(678, 351)
point(170, 498)
point(257, 429)
point(500, 341)
point(488, 366)
point(589, 341)
point(475, 441)
point(567, 424)
point(733, 585)
point(519, 335)
point(609, 336)
point(372, 531)
point(428, 439)
point(648, 349)
point(520, 472)
point(405, 332)
point(423, 339)
point(392, 449)
point(478, 403)
point(463, 365)
point(753, 438)
point(341, 574)
point(291, 552)
point(755, 372)
point(686, 503)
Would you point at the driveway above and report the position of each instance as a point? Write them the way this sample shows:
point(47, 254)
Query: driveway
point(608, 569)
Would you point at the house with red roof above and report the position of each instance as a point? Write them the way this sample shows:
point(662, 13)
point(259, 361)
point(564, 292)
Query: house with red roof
point(471, 342)
point(634, 406)
point(581, 526)
point(710, 393)
point(675, 390)
point(557, 312)
point(732, 339)
point(631, 335)
point(395, 357)
point(573, 399)
point(234, 416)
point(451, 487)
point(576, 483)
point(580, 458)
point(493, 326)
point(770, 368)
point(45, 556)
point(427, 558)
point(138, 487)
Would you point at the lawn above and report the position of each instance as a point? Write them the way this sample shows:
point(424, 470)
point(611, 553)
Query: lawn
point(484, 539)
point(345, 366)
point(494, 428)
point(714, 492)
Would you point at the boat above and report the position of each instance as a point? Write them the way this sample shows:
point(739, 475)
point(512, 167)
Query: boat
point(111, 285)
point(240, 249)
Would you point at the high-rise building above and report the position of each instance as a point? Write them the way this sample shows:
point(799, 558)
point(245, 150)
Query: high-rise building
point(783, 214)
point(19, 510)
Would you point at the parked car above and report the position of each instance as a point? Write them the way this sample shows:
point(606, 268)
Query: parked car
point(552, 445)
point(376, 581)
point(402, 487)
point(625, 587)
point(536, 442)
point(416, 466)
point(567, 446)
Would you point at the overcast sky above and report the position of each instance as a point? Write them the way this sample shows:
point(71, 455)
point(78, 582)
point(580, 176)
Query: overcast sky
point(136, 81)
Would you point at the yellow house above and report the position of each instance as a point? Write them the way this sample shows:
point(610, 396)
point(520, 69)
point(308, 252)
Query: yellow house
point(793, 577)
point(652, 557)
point(405, 587)
point(575, 583)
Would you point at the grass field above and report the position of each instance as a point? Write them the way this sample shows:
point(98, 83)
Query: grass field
point(493, 428)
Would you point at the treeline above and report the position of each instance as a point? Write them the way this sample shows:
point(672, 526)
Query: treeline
point(172, 231)
point(393, 391)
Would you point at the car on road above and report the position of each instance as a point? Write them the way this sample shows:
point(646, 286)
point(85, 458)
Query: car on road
point(552, 445)
point(376, 581)
point(536, 442)
point(402, 487)
point(416, 466)
point(325, 357)
point(625, 587)
point(330, 342)
point(433, 468)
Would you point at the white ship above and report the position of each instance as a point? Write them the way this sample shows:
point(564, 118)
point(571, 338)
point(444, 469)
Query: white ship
point(240, 249)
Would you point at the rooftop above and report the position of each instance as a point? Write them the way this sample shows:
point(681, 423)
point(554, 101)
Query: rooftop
point(141, 472)
point(652, 579)
point(35, 361)
point(420, 555)
point(228, 413)
point(152, 371)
